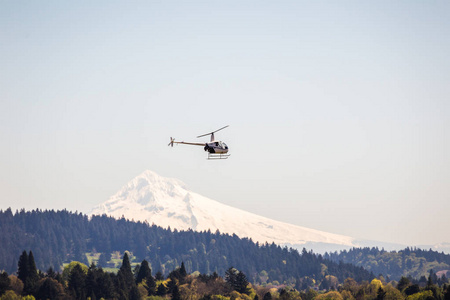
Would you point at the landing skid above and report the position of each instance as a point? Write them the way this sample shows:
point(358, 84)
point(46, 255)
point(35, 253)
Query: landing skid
point(218, 156)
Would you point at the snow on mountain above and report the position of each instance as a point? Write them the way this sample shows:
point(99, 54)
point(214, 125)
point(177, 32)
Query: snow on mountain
point(168, 202)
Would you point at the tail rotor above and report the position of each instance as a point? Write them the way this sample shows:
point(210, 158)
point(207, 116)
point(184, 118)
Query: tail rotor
point(171, 142)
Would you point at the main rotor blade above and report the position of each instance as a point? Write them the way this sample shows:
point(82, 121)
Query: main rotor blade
point(221, 128)
point(213, 131)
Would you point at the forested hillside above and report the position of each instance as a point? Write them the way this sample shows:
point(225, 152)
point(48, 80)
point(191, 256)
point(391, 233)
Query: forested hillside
point(78, 281)
point(58, 237)
point(410, 262)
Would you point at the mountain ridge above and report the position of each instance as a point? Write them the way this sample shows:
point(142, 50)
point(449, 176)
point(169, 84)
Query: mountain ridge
point(169, 202)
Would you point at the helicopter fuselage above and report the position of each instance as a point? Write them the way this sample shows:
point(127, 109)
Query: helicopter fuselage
point(216, 147)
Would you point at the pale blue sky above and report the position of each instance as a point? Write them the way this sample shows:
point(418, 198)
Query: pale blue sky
point(338, 111)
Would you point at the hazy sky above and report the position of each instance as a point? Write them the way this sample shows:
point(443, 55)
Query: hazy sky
point(339, 111)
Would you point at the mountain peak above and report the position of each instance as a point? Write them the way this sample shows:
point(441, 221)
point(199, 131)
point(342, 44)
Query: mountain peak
point(168, 202)
point(153, 178)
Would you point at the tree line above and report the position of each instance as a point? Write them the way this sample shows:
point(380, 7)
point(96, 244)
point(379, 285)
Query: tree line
point(78, 281)
point(59, 237)
point(409, 262)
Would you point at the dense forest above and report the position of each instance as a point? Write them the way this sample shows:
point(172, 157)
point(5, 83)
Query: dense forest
point(410, 262)
point(78, 281)
point(59, 237)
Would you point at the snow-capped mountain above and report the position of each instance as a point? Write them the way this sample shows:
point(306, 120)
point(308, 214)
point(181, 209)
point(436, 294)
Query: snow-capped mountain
point(168, 202)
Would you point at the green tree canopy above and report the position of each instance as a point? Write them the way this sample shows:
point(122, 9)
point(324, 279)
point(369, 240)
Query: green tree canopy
point(77, 282)
point(68, 269)
point(144, 272)
point(4, 282)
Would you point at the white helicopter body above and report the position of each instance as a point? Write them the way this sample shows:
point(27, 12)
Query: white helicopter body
point(215, 149)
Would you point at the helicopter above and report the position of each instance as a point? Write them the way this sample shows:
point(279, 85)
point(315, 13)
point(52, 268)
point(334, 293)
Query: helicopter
point(215, 149)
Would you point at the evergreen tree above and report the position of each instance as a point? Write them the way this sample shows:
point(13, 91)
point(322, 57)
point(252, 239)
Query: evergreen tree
point(151, 286)
point(230, 276)
point(442, 280)
point(125, 277)
point(27, 272)
point(162, 290)
point(134, 293)
point(159, 276)
point(173, 282)
point(267, 296)
point(144, 272)
point(91, 281)
point(237, 280)
point(412, 289)
point(403, 283)
point(23, 267)
point(176, 293)
point(447, 293)
point(77, 282)
point(381, 294)
point(136, 271)
point(51, 273)
point(242, 284)
point(4, 282)
point(183, 272)
point(104, 285)
point(126, 272)
point(49, 288)
point(430, 279)
point(283, 294)
point(33, 272)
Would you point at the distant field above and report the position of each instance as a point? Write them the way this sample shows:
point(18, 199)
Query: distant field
point(116, 260)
